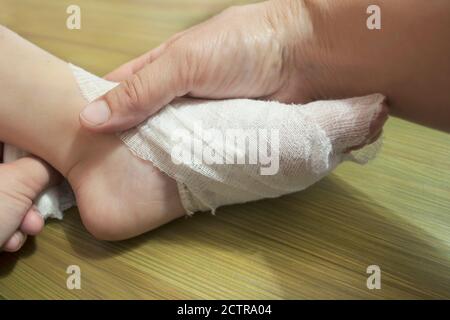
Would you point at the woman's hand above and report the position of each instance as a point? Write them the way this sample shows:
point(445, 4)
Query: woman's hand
point(252, 51)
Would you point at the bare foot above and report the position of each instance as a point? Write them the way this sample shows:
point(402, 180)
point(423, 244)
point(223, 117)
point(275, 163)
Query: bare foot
point(120, 196)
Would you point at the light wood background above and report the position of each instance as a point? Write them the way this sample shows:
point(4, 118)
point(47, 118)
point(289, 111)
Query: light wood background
point(394, 212)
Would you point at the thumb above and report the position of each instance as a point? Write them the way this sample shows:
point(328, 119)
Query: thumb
point(139, 96)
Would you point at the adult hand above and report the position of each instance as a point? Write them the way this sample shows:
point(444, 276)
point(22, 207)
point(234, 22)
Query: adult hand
point(252, 51)
point(292, 51)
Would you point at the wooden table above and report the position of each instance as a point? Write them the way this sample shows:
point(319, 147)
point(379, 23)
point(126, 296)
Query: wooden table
point(394, 213)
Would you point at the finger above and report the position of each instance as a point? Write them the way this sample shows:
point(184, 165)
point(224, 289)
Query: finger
point(30, 176)
point(15, 242)
point(33, 223)
point(128, 69)
point(141, 95)
point(37, 174)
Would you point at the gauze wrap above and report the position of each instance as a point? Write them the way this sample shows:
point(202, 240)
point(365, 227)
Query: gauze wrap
point(233, 151)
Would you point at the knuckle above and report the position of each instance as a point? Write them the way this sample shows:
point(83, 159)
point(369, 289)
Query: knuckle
point(190, 57)
point(132, 93)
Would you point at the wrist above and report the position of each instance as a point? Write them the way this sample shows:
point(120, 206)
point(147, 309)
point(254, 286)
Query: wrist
point(349, 52)
point(329, 46)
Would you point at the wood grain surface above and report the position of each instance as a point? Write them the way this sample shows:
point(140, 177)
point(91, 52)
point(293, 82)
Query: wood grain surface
point(394, 212)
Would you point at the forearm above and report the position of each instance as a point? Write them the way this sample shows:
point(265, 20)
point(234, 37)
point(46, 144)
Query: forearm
point(408, 59)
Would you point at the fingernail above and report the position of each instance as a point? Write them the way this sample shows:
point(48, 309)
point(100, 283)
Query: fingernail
point(96, 113)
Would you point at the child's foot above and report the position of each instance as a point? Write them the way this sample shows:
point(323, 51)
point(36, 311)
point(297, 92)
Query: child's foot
point(120, 195)
point(21, 182)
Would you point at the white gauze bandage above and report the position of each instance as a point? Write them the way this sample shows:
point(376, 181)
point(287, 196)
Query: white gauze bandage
point(240, 150)
point(224, 152)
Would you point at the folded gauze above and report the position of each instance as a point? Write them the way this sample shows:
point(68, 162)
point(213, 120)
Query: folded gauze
point(223, 152)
